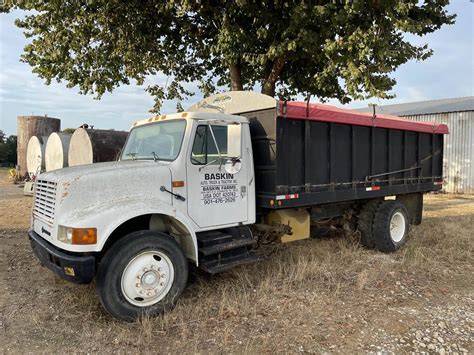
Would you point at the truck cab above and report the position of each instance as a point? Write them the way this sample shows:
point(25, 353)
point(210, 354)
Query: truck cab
point(179, 176)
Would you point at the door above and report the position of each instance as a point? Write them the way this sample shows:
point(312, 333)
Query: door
point(215, 197)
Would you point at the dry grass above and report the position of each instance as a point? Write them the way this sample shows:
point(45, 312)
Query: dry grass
point(14, 207)
point(316, 295)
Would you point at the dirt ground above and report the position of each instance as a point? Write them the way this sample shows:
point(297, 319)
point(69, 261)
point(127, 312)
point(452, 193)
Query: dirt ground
point(319, 295)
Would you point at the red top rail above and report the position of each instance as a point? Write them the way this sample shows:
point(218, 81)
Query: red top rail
point(326, 113)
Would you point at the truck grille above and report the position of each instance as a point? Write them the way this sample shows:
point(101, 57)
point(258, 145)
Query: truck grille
point(45, 199)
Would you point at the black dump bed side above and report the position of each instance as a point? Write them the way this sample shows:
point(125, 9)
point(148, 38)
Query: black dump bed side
point(308, 162)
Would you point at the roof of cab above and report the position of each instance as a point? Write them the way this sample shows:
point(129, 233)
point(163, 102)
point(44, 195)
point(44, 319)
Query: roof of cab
point(193, 116)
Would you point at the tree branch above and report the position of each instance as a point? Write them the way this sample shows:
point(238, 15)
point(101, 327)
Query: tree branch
point(268, 85)
point(235, 77)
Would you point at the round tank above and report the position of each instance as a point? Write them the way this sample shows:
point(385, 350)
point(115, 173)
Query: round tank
point(35, 155)
point(89, 146)
point(27, 127)
point(56, 152)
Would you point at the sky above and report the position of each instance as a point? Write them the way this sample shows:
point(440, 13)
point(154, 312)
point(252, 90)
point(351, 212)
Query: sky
point(448, 73)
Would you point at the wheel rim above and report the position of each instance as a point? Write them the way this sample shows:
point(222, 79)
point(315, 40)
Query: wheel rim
point(147, 278)
point(397, 227)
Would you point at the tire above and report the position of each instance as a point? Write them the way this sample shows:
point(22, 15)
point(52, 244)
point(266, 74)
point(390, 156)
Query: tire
point(391, 225)
point(152, 258)
point(365, 223)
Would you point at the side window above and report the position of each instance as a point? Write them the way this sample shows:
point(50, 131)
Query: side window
point(204, 149)
point(198, 155)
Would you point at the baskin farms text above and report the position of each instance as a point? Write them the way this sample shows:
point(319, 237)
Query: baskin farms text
point(218, 188)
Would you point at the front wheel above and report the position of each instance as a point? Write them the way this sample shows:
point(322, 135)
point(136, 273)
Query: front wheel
point(391, 226)
point(144, 273)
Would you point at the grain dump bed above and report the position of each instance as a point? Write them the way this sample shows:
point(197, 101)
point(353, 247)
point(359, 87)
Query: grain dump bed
point(313, 154)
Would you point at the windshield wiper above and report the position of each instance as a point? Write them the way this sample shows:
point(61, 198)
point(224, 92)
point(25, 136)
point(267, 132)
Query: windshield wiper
point(155, 156)
point(133, 155)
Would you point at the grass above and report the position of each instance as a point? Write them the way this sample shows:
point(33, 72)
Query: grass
point(323, 270)
point(309, 295)
point(310, 271)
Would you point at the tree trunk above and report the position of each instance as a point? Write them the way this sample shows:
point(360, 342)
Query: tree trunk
point(268, 85)
point(235, 77)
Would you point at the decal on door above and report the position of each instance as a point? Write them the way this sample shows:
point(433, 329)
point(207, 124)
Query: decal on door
point(218, 188)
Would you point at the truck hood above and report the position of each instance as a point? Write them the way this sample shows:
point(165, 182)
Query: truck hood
point(94, 187)
point(76, 172)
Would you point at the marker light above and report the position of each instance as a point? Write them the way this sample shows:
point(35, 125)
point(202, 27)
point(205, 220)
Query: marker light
point(84, 235)
point(178, 183)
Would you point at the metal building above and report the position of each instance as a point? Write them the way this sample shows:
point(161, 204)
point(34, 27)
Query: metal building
point(458, 114)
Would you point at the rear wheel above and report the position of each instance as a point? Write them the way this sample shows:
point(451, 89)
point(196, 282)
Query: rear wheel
point(144, 273)
point(365, 223)
point(391, 226)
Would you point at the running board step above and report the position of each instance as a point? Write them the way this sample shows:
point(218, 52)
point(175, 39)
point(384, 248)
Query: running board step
point(209, 238)
point(219, 248)
point(224, 249)
point(215, 267)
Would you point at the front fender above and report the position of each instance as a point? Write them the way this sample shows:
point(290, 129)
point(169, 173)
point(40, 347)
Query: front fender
point(108, 216)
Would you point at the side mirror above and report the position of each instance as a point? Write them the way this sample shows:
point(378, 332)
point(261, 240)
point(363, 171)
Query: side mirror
point(234, 137)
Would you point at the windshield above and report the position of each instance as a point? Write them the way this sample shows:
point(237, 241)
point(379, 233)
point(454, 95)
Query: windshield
point(158, 141)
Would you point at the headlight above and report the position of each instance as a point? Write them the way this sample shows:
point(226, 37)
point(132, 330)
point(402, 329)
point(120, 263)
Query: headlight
point(65, 234)
point(78, 236)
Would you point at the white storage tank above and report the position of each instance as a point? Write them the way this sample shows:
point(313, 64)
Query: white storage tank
point(57, 149)
point(35, 153)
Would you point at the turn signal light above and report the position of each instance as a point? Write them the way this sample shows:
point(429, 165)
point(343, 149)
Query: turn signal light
point(178, 183)
point(84, 235)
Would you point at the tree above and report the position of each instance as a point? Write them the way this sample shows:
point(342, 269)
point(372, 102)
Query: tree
point(8, 148)
point(331, 49)
point(11, 144)
point(3, 147)
point(69, 130)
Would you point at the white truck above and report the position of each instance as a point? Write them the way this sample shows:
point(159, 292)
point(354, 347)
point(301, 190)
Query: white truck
point(207, 185)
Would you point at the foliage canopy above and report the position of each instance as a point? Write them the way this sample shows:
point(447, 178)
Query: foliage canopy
point(344, 49)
